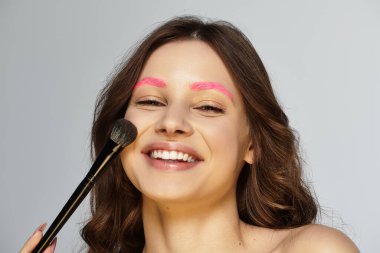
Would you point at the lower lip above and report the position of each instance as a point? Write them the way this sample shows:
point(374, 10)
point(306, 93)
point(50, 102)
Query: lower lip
point(170, 165)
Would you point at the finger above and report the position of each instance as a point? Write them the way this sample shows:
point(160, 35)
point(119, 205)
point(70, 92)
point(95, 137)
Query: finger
point(51, 247)
point(33, 240)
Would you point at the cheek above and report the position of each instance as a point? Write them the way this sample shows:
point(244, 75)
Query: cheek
point(133, 117)
point(139, 119)
point(128, 155)
point(222, 139)
point(228, 143)
point(128, 161)
point(221, 134)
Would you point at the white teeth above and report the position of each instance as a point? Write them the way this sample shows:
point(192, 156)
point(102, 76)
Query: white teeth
point(171, 155)
point(165, 155)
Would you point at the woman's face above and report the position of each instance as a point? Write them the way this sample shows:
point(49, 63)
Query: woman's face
point(192, 130)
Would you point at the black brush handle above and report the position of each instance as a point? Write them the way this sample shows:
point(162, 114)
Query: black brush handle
point(97, 169)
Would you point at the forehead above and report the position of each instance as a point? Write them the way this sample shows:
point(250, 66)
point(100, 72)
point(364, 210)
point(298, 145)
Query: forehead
point(188, 61)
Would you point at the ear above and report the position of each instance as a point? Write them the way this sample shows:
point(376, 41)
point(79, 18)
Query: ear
point(248, 157)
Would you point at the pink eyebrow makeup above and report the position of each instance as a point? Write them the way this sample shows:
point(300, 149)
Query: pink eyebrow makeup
point(211, 86)
point(150, 81)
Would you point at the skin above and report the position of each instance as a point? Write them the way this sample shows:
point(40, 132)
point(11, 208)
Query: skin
point(194, 210)
point(33, 240)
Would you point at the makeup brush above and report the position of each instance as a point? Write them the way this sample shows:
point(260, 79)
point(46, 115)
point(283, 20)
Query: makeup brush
point(123, 133)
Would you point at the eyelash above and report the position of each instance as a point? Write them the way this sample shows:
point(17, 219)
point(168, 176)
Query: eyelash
point(150, 102)
point(204, 108)
point(210, 108)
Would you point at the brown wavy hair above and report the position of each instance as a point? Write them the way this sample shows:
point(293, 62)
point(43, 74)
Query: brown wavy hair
point(270, 193)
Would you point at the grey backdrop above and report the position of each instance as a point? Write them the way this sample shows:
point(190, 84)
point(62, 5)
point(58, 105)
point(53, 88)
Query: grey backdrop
point(323, 58)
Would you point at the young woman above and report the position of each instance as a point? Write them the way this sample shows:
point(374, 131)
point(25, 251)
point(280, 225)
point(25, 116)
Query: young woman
point(215, 166)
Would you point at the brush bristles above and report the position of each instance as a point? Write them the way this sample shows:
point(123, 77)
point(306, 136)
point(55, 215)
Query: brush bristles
point(123, 132)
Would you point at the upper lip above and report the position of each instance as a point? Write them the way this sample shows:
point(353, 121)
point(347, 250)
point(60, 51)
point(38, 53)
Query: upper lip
point(172, 146)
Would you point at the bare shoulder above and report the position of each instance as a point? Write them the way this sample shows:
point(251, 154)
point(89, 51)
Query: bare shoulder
point(317, 239)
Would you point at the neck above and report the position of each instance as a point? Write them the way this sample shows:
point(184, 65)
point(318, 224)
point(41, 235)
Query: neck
point(192, 227)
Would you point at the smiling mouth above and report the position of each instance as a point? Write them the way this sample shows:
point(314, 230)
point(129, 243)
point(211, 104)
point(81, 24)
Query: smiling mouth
point(172, 156)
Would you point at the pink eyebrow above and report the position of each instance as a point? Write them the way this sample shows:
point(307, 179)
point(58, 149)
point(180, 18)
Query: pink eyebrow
point(150, 81)
point(211, 85)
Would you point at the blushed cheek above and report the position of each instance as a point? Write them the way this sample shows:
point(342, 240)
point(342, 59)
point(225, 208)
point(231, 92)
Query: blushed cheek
point(129, 114)
point(222, 139)
point(139, 120)
point(231, 141)
point(128, 161)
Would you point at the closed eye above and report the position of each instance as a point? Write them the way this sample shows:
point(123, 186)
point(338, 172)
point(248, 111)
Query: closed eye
point(211, 109)
point(150, 102)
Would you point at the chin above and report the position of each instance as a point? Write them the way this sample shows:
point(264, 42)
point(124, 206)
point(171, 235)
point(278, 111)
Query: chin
point(169, 192)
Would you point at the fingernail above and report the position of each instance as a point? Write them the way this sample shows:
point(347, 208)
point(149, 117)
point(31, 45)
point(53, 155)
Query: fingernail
point(40, 228)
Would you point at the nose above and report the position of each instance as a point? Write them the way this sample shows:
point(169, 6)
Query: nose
point(174, 122)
